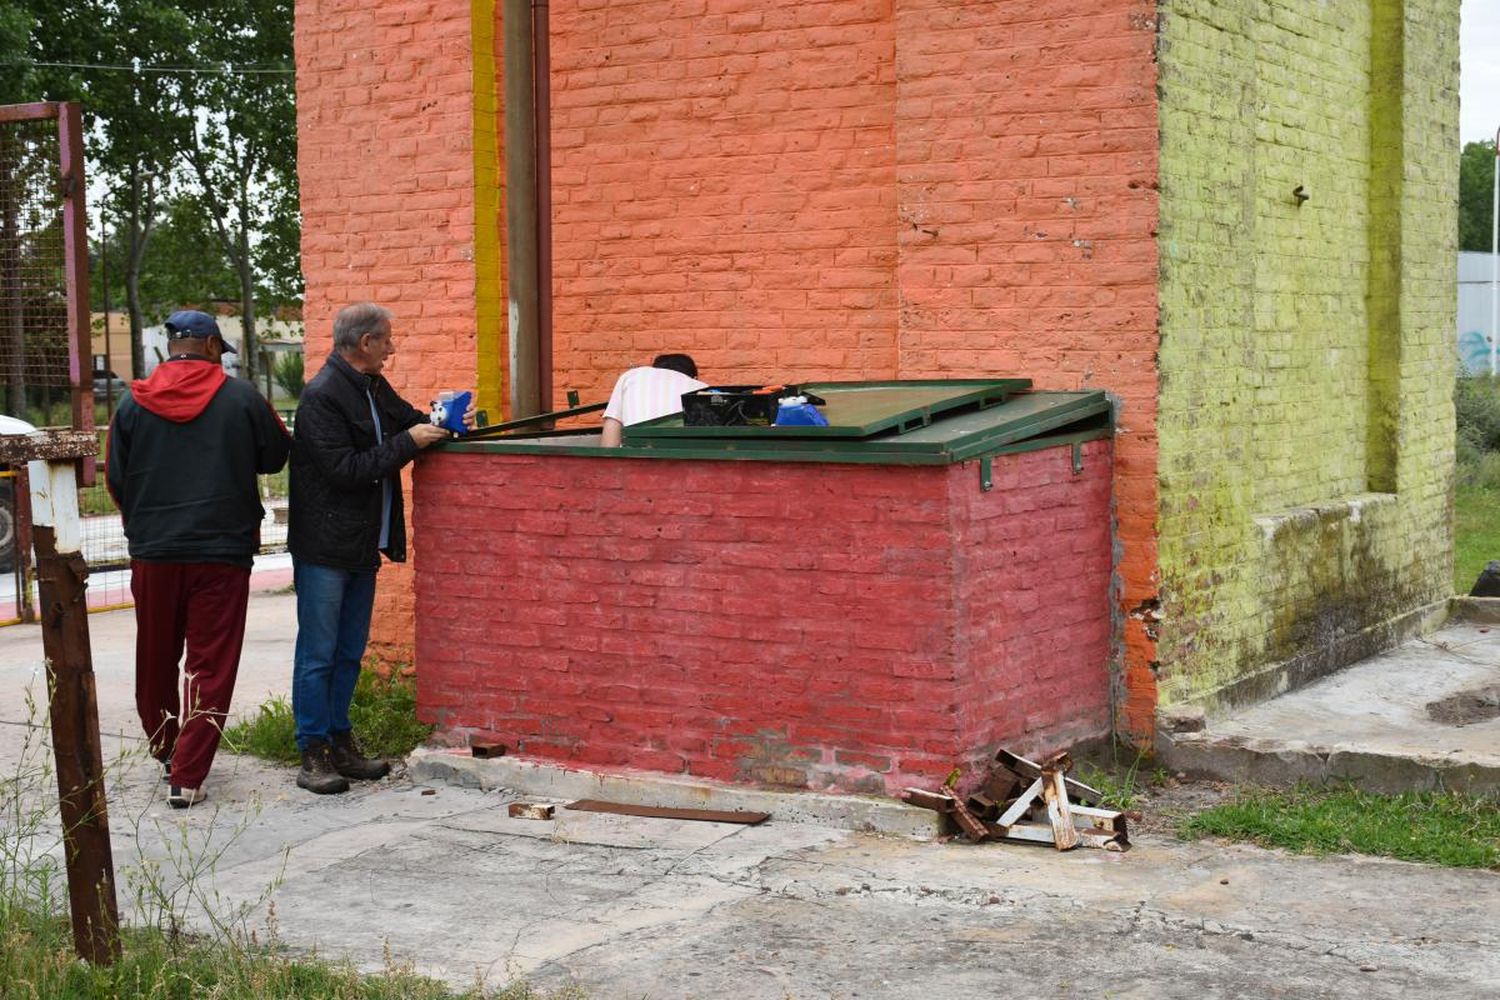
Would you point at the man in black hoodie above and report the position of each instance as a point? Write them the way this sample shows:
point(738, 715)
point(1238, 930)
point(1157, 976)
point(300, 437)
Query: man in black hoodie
point(184, 450)
point(354, 434)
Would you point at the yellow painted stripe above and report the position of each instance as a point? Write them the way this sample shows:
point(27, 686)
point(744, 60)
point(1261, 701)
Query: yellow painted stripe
point(489, 312)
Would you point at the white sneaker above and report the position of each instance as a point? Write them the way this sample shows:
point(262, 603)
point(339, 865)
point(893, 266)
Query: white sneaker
point(179, 797)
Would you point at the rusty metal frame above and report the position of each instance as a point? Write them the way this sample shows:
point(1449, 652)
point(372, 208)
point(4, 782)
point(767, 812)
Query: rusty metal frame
point(73, 186)
point(76, 269)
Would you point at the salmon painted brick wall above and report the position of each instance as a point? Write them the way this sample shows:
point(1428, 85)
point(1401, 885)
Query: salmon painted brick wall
point(387, 129)
point(849, 627)
point(838, 189)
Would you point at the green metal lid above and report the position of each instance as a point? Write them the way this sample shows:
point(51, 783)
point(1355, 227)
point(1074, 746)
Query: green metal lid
point(854, 409)
point(1024, 421)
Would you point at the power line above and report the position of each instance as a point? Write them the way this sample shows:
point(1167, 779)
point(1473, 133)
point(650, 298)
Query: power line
point(228, 69)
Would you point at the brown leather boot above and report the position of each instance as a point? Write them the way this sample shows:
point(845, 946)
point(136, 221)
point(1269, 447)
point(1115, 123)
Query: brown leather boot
point(318, 775)
point(349, 762)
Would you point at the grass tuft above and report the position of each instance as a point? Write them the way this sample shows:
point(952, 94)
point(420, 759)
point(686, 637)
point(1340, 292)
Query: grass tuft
point(1120, 785)
point(37, 960)
point(1441, 828)
point(384, 714)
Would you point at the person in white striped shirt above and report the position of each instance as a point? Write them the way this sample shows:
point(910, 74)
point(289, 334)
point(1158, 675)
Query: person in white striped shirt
point(646, 393)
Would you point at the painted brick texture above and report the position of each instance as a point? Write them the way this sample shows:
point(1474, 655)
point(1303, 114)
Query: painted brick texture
point(1306, 426)
point(827, 626)
point(385, 123)
point(844, 189)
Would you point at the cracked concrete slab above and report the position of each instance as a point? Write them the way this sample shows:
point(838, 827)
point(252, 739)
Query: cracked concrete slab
point(1368, 723)
point(440, 875)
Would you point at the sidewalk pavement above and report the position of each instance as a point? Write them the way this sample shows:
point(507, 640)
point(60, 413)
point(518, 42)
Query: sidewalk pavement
point(631, 907)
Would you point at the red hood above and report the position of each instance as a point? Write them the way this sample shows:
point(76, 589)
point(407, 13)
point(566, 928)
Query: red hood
point(179, 390)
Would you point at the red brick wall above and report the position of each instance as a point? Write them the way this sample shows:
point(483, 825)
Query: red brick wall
point(384, 158)
point(826, 626)
point(847, 188)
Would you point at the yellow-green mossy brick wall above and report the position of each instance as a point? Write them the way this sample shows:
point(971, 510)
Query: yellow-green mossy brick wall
point(1306, 422)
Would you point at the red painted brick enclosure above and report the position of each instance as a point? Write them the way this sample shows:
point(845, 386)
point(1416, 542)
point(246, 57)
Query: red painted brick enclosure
point(850, 627)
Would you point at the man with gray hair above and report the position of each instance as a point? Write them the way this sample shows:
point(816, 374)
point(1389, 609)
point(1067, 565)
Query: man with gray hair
point(352, 436)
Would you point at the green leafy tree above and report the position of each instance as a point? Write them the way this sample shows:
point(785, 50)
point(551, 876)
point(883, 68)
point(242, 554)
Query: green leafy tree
point(243, 149)
point(1476, 189)
point(191, 123)
point(185, 266)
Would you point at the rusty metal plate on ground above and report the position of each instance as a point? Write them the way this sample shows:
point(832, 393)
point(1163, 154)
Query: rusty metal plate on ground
point(662, 812)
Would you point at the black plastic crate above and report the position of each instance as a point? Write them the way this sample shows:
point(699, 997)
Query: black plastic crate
point(737, 405)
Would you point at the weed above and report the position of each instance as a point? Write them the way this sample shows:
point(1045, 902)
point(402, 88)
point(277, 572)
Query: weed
point(1121, 788)
point(1442, 828)
point(384, 714)
point(180, 940)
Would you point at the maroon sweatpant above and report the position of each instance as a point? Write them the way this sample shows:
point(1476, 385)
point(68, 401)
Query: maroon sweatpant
point(202, 605)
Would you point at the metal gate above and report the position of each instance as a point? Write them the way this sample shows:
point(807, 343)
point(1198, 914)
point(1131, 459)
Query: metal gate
point(44, 318)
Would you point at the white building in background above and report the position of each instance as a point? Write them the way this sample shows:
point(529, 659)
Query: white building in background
point(1474, 312)
point(273, 334)
point(112, 350)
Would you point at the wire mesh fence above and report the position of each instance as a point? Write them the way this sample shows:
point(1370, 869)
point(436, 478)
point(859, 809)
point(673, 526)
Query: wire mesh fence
point(35, 361)
point(45, 375)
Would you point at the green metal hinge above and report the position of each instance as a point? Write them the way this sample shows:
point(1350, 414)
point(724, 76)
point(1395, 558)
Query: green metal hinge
point(1077, 458)
point(986, 474)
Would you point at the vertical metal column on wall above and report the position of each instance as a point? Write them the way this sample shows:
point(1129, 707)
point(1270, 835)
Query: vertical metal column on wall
point(521, 209)
point(542, 74)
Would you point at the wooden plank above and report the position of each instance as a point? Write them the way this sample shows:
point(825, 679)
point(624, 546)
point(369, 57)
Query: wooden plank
point(972, 826)
point(1022, 805)
point(1064, 833)
point(664, 812)
point(1077, 789)
point(937, 801)
point(37, 111)
point(47, 446)
point(62, 576)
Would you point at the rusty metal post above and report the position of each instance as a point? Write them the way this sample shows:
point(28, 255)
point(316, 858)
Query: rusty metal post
point(73, 706)
point(76, 273)
point(520, 207)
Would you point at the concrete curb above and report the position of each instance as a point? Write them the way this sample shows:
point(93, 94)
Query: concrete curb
point(550, 781)
point(1279, 763)
point(1478, 610)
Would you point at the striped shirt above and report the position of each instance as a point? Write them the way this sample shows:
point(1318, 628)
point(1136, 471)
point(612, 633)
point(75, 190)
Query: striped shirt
point(643, 394)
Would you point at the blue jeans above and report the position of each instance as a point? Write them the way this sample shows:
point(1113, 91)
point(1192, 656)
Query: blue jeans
point(333, 625)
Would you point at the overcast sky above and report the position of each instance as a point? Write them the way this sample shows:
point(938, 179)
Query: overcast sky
point(1479, 46)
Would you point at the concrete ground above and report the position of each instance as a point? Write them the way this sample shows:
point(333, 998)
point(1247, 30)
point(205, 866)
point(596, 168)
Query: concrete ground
point(1425, 715)
point(438, 874)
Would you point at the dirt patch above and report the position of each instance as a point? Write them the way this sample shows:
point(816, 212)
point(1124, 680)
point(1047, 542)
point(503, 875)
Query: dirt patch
point(1164, 806)
point(1474, 705)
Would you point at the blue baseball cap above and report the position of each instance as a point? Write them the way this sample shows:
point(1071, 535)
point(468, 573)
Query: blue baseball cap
point(192, 323)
